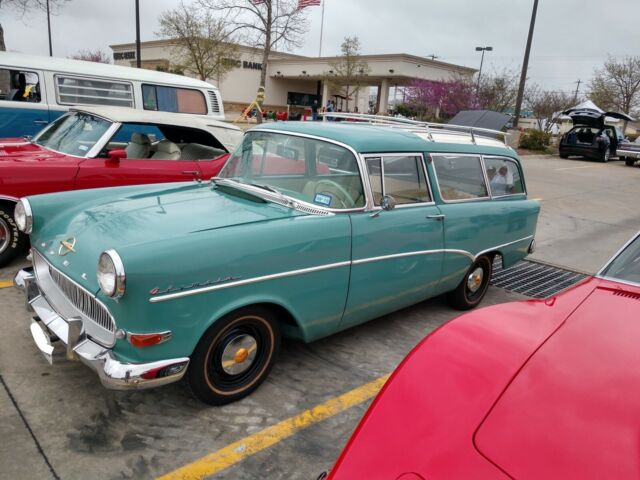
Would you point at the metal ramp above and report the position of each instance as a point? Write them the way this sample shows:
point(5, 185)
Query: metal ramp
point(537, 280)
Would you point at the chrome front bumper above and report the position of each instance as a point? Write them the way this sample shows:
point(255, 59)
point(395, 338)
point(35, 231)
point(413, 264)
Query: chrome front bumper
point(48, 328)
point(628, 153)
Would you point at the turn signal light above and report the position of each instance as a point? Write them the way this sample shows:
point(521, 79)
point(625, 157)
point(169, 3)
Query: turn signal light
point(148, 339)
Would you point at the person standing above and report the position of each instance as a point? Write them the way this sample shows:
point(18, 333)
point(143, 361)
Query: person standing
point(330, 109)
point(314, 110)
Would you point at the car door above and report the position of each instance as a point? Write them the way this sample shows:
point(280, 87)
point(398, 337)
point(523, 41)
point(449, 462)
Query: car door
point(396, 254)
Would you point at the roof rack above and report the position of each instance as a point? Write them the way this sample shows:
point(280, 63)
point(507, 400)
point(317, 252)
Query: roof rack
point(413, 125)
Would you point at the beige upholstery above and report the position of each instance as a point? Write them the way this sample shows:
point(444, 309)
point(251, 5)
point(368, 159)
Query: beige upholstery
point(166, 150)
point(139, 147)
point(197, 151)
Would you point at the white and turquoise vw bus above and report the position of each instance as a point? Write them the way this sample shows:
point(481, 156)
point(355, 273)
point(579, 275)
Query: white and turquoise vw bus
point(36, 90)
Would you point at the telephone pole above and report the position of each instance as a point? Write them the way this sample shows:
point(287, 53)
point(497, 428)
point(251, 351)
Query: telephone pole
point(49, 29)
point(138, 59)
point(525, 65)
point(575, 97)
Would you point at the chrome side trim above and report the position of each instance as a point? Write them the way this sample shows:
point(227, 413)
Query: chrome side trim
point(411, 254)
point(248, 281)
point(617, 280)
point(498, 247)
point(11, 199)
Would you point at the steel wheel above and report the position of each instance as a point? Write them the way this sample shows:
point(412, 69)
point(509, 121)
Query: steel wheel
point(473, 286)
point(5, 235)
point(606, 156)
point(12, 242)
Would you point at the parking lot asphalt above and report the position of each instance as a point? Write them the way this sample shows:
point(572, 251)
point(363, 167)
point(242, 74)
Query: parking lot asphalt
point(59, 422)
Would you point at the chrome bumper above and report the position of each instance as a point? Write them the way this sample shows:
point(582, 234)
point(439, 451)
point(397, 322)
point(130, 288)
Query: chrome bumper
point(628, 153)
point(48, 328)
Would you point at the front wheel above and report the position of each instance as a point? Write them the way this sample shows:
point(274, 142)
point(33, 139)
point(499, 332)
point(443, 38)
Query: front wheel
point(11, 240)
point(474, 285)
point(629, 161)
point(606, 156)
point(234, 356)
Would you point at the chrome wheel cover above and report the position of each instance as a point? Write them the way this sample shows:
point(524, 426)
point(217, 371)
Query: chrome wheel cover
point(474, 280)
point(239, 354)
point(5, 235)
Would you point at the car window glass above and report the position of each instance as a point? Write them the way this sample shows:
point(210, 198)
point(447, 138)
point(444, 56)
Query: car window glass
point(88, 91)
point(626, 266)
point(504, 176)
point(460, 177)
point(74, 134)
point(172, 99)
point(374, 168)
point(404, 179)
point(19, 86)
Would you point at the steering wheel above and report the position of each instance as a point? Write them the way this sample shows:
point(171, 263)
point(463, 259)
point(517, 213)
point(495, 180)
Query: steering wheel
point(337, 191)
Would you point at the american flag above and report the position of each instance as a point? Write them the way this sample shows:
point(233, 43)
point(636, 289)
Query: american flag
point(308, 3)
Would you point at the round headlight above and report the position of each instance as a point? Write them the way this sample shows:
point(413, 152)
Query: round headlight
point(111, 277)
point(23, 217)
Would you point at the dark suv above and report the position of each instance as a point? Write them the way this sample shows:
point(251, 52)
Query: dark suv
point(590, 137)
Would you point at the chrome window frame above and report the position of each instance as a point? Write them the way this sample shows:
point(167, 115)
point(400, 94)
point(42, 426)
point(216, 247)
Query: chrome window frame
point(368, 206)
point(484, 176)
point(601, 274)
point(519, 167)
point(419, 155)
point(56, 87)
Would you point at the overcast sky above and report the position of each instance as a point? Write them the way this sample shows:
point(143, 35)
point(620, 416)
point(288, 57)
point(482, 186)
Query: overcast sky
point(571, 38)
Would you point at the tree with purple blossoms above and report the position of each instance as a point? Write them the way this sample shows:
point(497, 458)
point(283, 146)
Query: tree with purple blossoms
point(441, 99)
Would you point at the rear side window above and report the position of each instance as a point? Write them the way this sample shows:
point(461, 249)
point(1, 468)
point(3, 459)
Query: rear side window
point(172, 99)
point(19, 86)
point(88, 91)
point(504, 177)
point(460, 177)
point(400, 176)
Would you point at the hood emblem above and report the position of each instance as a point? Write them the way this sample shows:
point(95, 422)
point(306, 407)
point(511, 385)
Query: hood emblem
point(67, 246)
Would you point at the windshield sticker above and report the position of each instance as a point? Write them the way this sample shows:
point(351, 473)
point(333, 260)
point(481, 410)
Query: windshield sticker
point(323, 199)
point(84, 148)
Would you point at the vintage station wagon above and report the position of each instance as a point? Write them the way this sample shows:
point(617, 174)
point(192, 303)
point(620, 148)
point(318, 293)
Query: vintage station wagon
point(309, 229)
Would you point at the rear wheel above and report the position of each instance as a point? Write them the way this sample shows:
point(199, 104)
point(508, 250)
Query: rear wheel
point(234, 356)
point(629, 161)
point(474, 285)
point(563, 155)
point(11, 240)
point(606, 156)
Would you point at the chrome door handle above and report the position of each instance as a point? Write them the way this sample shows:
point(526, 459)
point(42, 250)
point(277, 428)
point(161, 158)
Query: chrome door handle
point(195, 173)
point(436, 217)
point(40, 122)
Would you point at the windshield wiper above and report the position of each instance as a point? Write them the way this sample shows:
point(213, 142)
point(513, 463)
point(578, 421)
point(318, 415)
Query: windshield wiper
point(264, 187)
point(283, 199)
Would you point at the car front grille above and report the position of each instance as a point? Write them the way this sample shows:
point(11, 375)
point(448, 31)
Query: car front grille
point(83, 301)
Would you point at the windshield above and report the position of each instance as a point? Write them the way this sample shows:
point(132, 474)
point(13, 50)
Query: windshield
point(626, 266)
point(311, 170)
point(73, 134)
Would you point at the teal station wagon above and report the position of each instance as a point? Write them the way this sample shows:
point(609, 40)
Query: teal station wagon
point(310, 228)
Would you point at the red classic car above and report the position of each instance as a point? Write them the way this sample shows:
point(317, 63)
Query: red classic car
point(540, 389)
point(104, 147)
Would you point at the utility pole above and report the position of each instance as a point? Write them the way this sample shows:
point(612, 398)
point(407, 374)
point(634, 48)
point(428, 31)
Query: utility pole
point(49, 28)
point(575, 97)
point(525, 65)
point(481, 49)
point(138, 59)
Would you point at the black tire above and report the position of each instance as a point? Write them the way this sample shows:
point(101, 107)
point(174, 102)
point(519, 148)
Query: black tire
point(463, 297)
point(629, 161)
point(564, 155)
point(210, 380)
point(12, 242)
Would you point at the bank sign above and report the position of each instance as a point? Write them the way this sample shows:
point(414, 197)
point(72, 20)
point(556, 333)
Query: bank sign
point(244, 64)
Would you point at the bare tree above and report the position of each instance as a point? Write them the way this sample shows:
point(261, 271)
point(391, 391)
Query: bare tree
point(546, 106)
point(348, 72)
point(498, 91)
point(263, 24)
point(204, 43)
point(97, 55)
point(616, 86)
point(22, 7)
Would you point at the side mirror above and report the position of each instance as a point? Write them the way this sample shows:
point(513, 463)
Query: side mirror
point(116, 155)
point(388, 203)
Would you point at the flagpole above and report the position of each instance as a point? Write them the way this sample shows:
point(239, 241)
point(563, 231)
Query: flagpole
point(321, 29)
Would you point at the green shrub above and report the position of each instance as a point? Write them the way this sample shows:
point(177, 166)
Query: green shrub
point(535, 140)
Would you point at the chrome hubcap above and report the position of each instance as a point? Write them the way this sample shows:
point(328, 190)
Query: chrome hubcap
point(474, 280)
point(5, 236)
point(239, 354)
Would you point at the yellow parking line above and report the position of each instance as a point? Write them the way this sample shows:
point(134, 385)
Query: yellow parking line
point(238, 451)
point(6, 283)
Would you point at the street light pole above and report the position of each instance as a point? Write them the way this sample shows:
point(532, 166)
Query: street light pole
point(49, 29)
point(525, 65)
point(481, 49)
point(138, 59)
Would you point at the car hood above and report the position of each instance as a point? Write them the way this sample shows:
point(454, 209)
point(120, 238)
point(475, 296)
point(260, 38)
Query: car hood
point(141, 216)
point(18, 149)
point(573, 410)
point(593, 118)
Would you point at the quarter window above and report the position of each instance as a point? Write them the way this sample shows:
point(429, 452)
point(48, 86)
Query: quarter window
point(19, 86)
point(460, 177)
point(504, 177)
point(402, 177)
point(172, 99)
point(87, 91)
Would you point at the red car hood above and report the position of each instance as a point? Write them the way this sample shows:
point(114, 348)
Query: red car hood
point(573, 411)
point(17, 149)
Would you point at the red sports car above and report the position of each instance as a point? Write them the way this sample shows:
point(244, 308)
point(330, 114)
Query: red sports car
point(105, 147)
point(540, 389)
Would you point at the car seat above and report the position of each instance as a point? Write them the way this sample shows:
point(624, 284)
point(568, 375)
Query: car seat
point(17, 94)
point(139, 146)
point(166, 150)
point(197, 151)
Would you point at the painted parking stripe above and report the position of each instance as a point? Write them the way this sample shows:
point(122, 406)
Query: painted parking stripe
point(238, 451)
point(6, 283)
point(576, 168)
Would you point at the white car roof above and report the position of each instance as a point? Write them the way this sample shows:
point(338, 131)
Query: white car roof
point(227, 134)
point(80, 67)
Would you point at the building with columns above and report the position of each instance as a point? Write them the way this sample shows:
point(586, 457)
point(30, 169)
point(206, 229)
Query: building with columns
point(295, 81)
